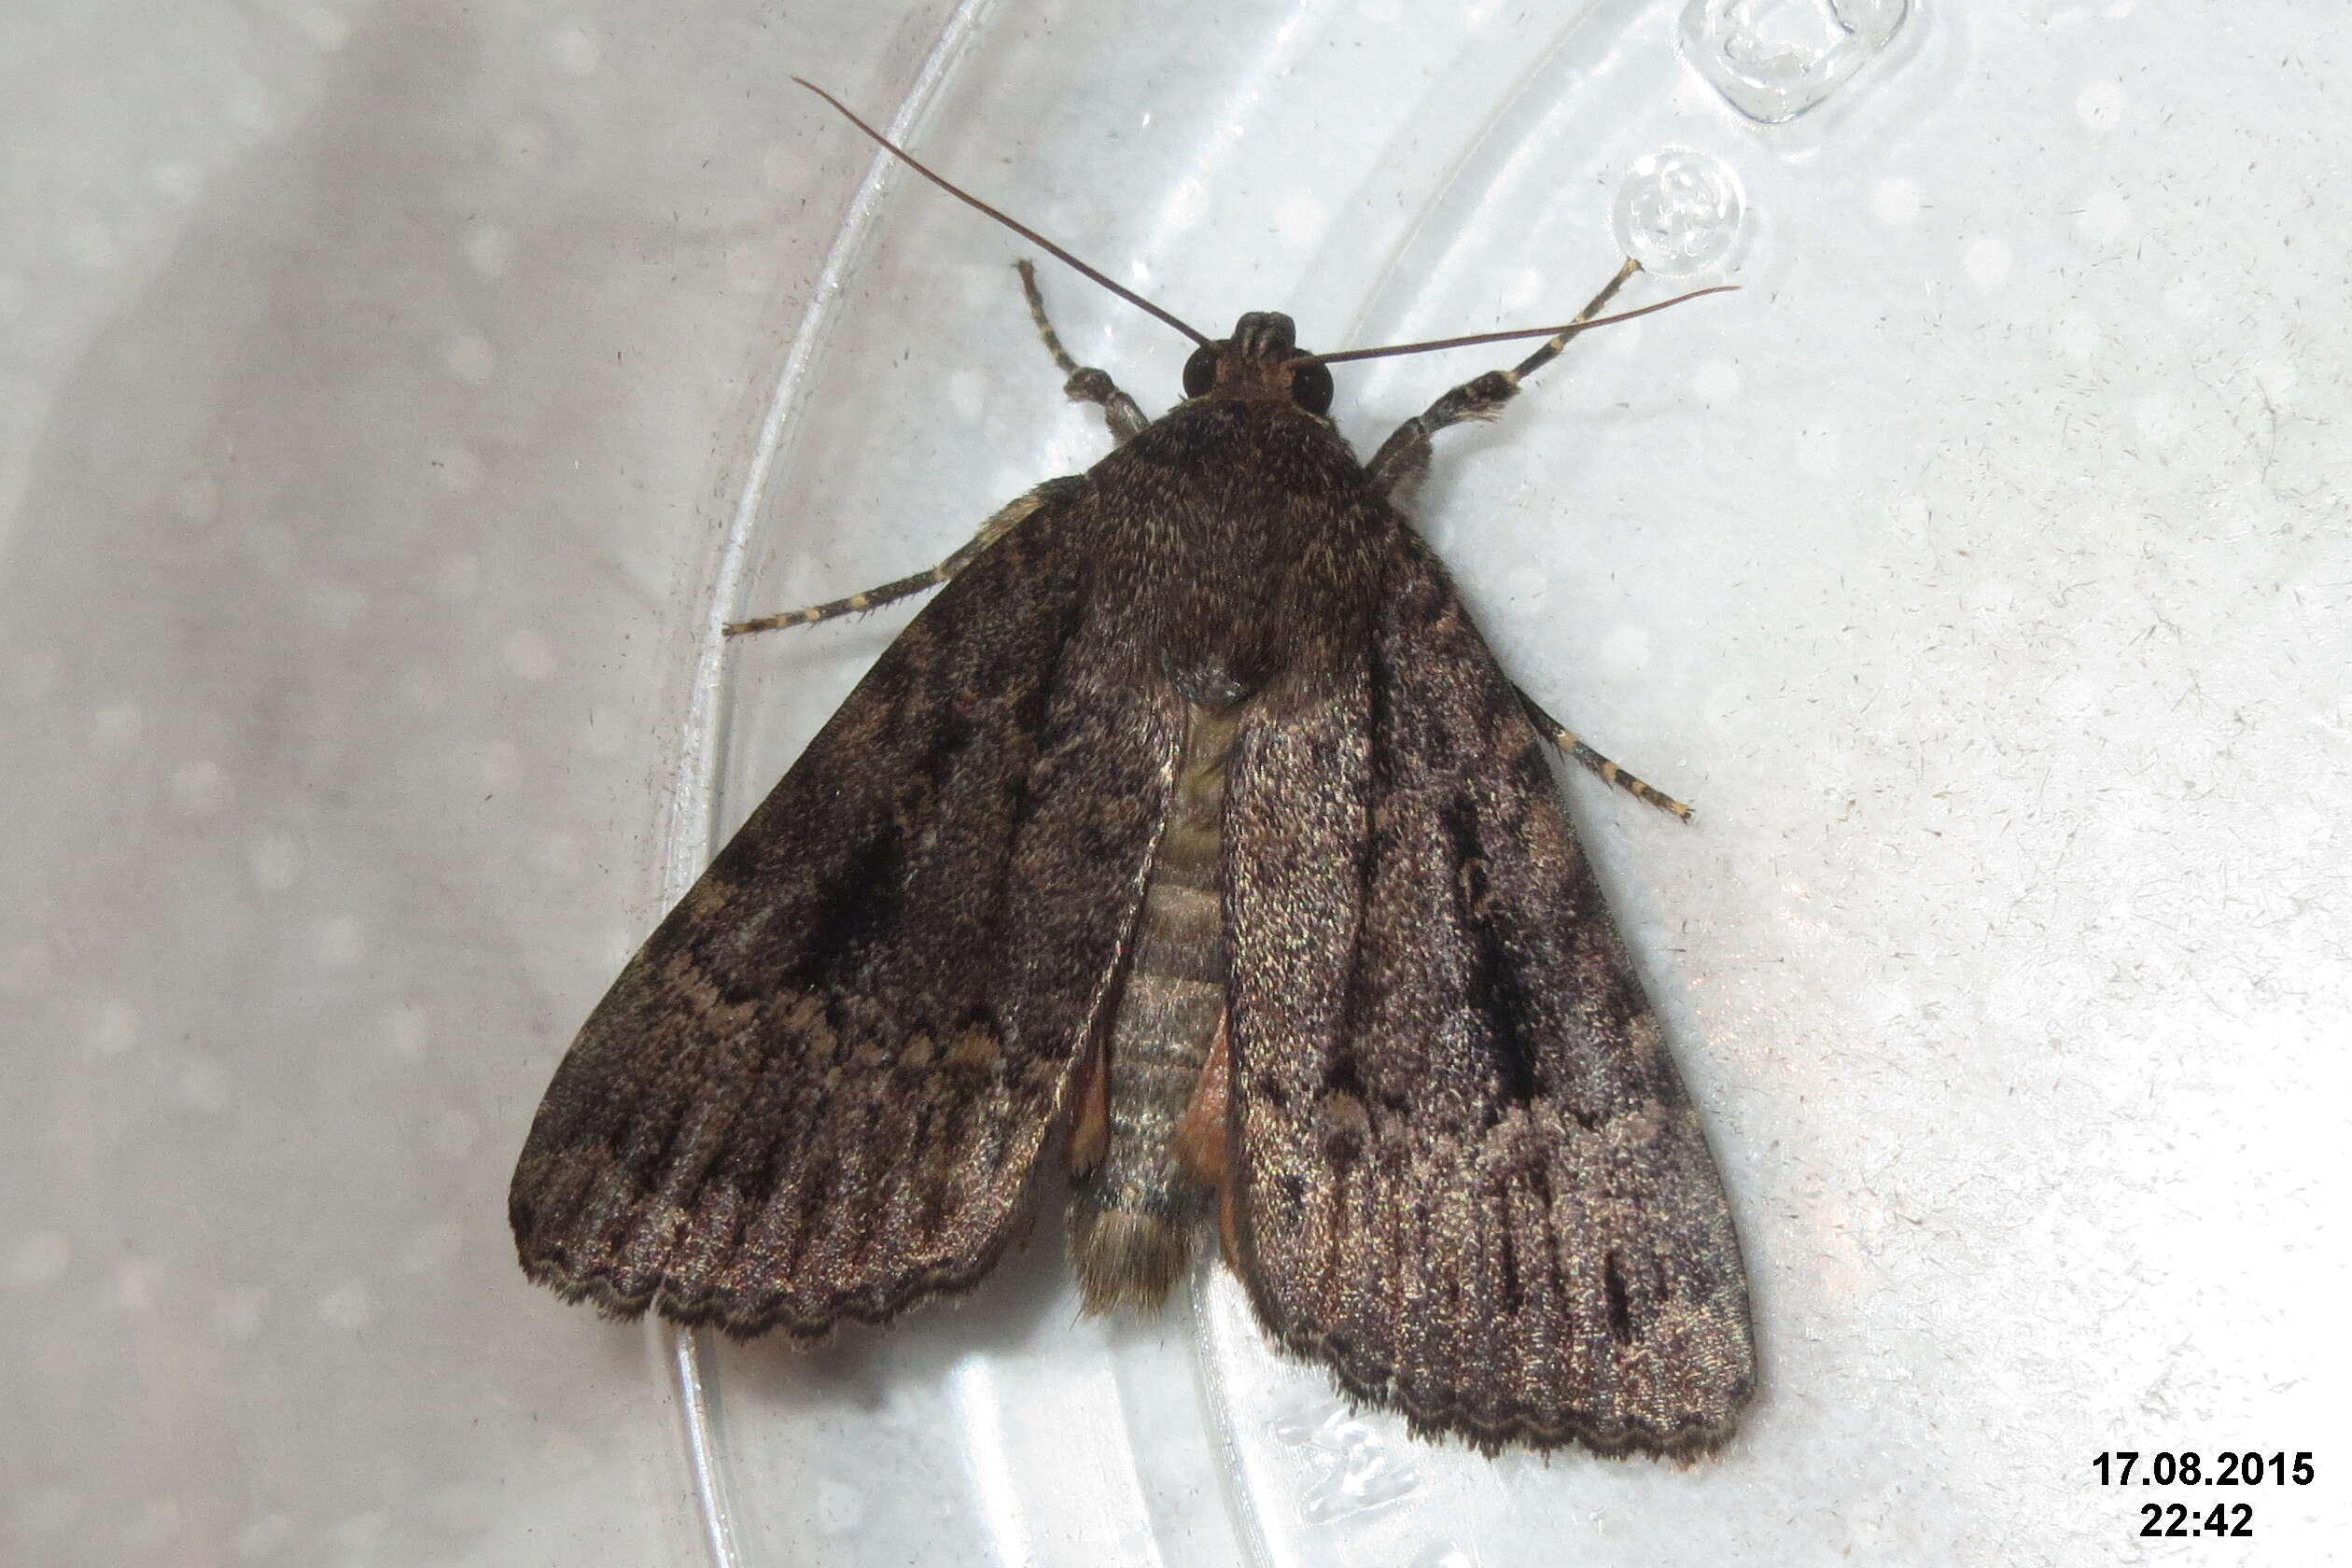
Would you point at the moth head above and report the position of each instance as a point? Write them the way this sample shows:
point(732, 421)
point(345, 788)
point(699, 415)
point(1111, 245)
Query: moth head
point(1261, 362)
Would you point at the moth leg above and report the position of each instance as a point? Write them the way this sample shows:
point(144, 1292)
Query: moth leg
point(1568, 741)
point(1402, 463)
point(992, 530)
point(1086, 384)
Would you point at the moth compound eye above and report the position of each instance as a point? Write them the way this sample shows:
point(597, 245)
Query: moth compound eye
point(1200, 371)
point(1310, 388)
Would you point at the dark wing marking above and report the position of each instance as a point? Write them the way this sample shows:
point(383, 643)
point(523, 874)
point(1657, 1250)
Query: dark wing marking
point(819, 1089)
point(1469, 1180)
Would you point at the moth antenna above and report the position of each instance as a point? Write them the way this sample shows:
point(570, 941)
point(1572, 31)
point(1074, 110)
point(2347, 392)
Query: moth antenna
point(1129, 295)
point(1569, 327)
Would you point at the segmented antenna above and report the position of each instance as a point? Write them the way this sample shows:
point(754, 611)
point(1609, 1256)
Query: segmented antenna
point(1132, 298)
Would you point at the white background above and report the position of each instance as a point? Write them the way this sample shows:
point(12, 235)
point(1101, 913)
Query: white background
point(394, 395)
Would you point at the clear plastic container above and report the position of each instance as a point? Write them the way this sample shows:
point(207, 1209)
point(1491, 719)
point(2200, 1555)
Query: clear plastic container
point(406, 394)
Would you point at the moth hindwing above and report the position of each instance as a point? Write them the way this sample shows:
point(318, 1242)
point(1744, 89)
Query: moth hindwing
point(1191, 835)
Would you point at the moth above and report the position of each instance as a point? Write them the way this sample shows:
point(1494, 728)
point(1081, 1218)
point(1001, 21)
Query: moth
point(1192, 842)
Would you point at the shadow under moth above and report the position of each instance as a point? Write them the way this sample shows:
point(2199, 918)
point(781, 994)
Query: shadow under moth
point(1193, 841)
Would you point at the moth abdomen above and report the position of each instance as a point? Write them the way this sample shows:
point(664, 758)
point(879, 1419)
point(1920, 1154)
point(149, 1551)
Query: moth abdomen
point(1141, 1181)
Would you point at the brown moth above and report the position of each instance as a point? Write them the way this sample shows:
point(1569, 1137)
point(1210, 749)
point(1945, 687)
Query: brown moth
point(1191, 840)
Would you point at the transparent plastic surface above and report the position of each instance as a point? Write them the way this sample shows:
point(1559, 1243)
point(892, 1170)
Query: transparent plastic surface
point(408, 393)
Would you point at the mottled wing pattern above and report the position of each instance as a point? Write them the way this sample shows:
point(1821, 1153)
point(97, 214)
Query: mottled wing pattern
point(1467, 1175)
point(819, 1089)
